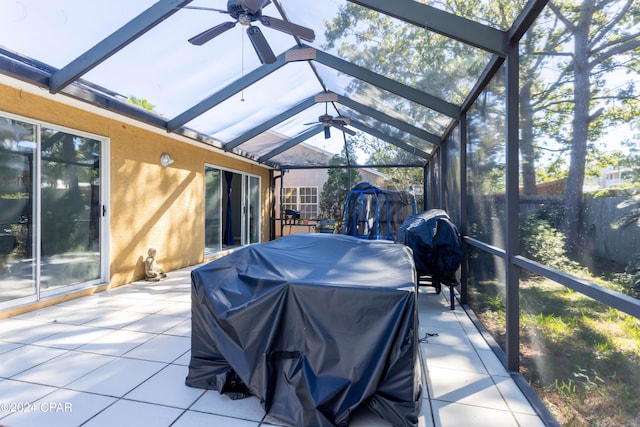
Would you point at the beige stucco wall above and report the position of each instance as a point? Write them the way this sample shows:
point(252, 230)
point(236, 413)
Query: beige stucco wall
point(150, 206)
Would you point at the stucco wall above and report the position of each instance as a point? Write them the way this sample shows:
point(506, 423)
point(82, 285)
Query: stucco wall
point(150, 206)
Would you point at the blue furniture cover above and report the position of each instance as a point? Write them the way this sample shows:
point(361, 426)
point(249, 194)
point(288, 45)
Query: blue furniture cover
point(314, 325)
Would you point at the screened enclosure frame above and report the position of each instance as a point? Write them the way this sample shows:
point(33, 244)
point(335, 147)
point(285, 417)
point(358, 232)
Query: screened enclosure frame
point(503, 46)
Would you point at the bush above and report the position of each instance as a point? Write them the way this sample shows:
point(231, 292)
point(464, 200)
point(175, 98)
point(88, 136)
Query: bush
point(543, 243)
point(630, 279)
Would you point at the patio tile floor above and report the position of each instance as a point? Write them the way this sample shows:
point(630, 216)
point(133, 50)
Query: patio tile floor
point(120, 358)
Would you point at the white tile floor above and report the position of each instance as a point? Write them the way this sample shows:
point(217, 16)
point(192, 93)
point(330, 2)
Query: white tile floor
point(120, 357)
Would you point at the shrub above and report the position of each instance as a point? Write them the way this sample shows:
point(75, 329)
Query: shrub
point(543, 243)
point(630, 279)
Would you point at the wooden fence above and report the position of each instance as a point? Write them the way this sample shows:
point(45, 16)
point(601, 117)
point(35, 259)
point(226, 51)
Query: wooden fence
point(618, 245)
point(599, 213)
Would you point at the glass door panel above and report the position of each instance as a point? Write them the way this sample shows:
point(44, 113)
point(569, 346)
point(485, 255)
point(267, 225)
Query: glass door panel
point(252, 209)
point(212, 211)
point(71, 209)
point(17, 174)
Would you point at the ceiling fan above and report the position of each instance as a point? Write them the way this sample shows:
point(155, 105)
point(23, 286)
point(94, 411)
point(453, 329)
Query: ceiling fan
point(338, 122)
point(246, 12)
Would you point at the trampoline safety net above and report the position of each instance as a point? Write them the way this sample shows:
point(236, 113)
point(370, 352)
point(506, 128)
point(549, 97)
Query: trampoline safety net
point(373, 213)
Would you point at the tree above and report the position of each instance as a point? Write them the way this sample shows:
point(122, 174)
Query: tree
point(336, 189)
point(583, 42)
point(538, 98)
point(408, 54)
point(434, 64)
point(143, 103)
point(605, 37)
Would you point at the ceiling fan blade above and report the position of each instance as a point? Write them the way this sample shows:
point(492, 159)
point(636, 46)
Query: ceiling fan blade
point(260, 45)
point(209, 34)
point(327, 132)
point(288, 27)
point(254, 5)
point(345, 130)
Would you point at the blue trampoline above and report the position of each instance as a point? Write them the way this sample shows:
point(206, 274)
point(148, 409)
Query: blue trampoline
point(374, 214)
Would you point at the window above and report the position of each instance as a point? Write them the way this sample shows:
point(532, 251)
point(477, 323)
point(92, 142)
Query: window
point(302, 199)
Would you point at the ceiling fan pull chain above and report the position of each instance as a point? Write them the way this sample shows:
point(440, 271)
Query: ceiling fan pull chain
point(242, 63)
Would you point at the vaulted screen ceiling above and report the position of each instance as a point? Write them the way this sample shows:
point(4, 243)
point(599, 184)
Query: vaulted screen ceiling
point(221, 94)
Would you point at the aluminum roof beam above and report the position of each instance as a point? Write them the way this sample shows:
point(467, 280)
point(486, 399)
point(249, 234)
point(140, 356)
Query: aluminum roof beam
point(226, 93)
point(455, 27)
point(108, 46)
point(351, 166)
point(290, 143)
point(391, 140)
point(393, 86)
point(14, 65)
point(385, 118)
point(307, 103)
point(525, 19)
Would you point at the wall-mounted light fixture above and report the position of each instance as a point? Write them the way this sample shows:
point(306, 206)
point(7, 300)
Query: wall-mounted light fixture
point(165, 160)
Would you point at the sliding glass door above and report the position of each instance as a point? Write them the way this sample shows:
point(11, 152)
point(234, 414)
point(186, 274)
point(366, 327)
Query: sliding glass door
point(212, 211)
point(71, 209)
point(232, 210)
point(18, 155)
point(51, 210)
point(252, 208)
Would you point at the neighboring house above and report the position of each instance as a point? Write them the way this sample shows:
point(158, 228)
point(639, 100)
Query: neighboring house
point(301, 188)
point(609, 177)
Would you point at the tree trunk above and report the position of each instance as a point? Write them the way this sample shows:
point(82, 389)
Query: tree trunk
point(527, 151)
point(582, 92)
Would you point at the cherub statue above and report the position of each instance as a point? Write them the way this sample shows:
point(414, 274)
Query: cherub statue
point(153, 272)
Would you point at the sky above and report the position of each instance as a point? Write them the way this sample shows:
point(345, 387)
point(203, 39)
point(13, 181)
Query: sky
point(170, 73)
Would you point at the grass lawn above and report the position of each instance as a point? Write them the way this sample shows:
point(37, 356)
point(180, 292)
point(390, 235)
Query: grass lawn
point(580, 356)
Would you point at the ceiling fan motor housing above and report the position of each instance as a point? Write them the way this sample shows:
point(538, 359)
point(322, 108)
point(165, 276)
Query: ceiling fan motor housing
point(325, 118)
point(237, 10)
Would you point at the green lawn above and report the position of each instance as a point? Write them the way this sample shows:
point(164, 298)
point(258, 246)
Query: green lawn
point(580, 356)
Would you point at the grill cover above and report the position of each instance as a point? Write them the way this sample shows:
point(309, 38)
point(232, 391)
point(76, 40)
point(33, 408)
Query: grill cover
point(314, 325)
point(435, 241)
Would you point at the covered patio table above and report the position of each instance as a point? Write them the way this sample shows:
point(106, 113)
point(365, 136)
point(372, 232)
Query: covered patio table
point(314, 325)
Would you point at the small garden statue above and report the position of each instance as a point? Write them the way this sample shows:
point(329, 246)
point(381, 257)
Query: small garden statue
point(153, 272)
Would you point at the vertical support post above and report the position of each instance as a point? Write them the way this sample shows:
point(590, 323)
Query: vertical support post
point(442, 162)
point(464, 217)
point(512, 209)
point(272, 205)
point(425, 181)
point(280, 191)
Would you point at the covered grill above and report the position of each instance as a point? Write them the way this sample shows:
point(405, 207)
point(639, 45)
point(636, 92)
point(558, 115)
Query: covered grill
point(436, 245)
